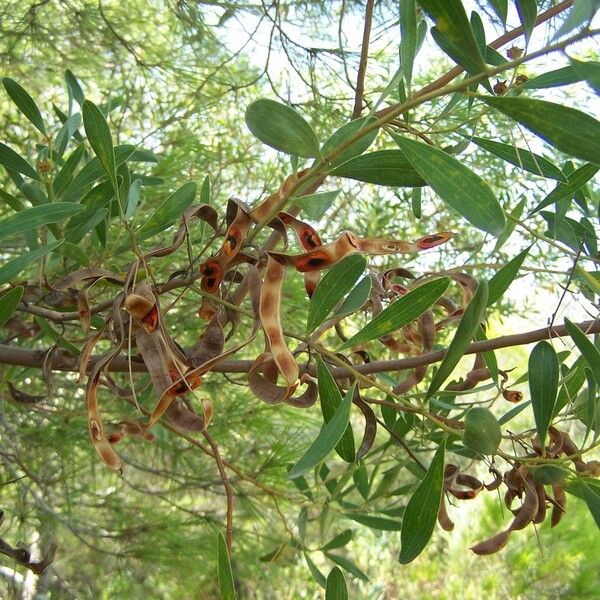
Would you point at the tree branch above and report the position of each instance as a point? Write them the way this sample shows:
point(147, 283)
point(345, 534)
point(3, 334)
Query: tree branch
point(63, 361)
point(364, 55)
point(509, 36)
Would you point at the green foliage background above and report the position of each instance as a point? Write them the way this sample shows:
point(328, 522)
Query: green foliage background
point(176, 85)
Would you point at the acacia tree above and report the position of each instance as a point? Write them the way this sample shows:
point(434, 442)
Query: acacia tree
point(194, 323)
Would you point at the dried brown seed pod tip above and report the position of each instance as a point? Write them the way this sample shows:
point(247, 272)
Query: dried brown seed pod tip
point(493, 545)
point(500, 88)
point(514, 53)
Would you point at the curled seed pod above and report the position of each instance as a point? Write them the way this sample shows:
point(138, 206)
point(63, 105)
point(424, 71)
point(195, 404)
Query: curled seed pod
point(443, 519)
point(560, 503)
point(495, 484)
point(526, 514)
point(540, 515)
point(492, 545)
point(512, 396)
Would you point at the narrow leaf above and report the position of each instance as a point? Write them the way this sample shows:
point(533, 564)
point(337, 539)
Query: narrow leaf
point(554, 78)
point(9, 302)
point(347, 565)
point(543, 386)
point(339, 540)
point(25, 103)
point(575, 181)
point(373, 522)
point(98, 134)
point(357, 297)
point(500, 8)
point(282, 128)
point(330, 398)
point(422, 510)
point(336, 586)
point(314, 571)
point(408, 38)
point(326, 441)
point(224, 572)
point(590, 353)
point(567, 129)
point(452, 23)
point(168, 212)
point(384, 167)
point(341, 137)
point(10, 269)
point(456, 185)
point(316, 205)
point(37, 216)
point(521, 158)
point(332, 288)
point(74, 86)
point(591, 495)
point(527, 10)
point(13, 161)
point(465, 332)
point(401, 312)
point(590, 71)
point(502, 279)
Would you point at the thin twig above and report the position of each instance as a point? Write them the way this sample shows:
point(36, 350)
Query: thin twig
point(364, 56)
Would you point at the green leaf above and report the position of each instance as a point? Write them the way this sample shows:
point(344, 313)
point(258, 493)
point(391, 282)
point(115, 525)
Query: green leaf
point(357, 297)
point(133, 196)
point(339, 540)
point(12, 268)
point(456, 185)
point(9, 302)
point(567, 129)
point(582, 12)
point(336, 586)
point(347, 565)
point(75, 253)
point(316, 205)
point(332, 288)
point(25, 103)
point(224, 572)
point(384, 167)
point(168, 212)
point(591, 495)
point(282, 128)
point(330, 399)
point(343, 134)
point(590, 353)
point(453, 33)
point(34, 217)
point(500, 8)
point(465, 332)
point(527, 10)
point(314, 571)
point(74, 87)
point(521, 158)
point(93, 170)
point(590, 71)
point(552, 79)
point(408, 38)
point(575, 181)
point(482, 431)
point(502, 279)
point(13, 202)
point(98, 134)
point(401, 312)
point(13, 161)
point(422, 510)
point(380, 523)
point(543, 386)
point(65, 175)
point(549, 474)
point(327, 440)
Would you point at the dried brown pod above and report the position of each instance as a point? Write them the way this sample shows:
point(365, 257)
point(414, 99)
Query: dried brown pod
point(492, 545)
point(443, 519)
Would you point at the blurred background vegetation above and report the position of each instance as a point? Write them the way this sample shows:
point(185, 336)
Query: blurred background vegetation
point(175, 78)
